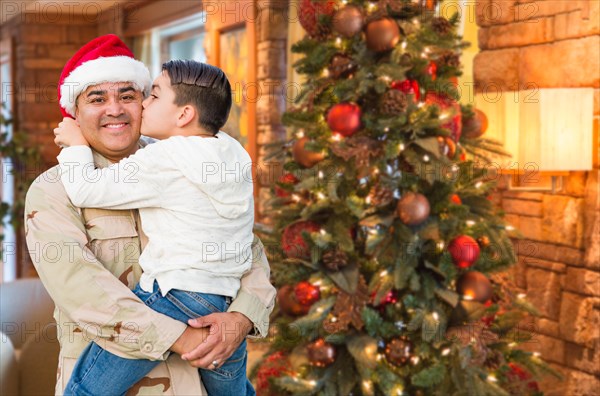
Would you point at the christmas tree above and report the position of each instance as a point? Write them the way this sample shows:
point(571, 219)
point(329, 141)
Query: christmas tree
point(390, 269)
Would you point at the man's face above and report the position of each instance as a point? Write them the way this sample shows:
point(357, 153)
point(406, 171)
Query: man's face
point(159, 118)
point(109, 115)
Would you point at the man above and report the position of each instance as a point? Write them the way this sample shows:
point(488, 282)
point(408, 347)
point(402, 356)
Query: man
point(89, 278)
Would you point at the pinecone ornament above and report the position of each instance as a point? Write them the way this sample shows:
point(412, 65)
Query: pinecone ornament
point(449, 58)
point(322, 32)
point(340, 66)
point(380, 196)
point(495, 359)
point(441, 26)
point(392, 5)
point(394, 102)
point(335, 260)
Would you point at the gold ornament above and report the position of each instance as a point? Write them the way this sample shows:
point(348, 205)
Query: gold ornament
point(321, 353)
point(348, 21)
point(306, 158)
point(382, 34)
point(413, 208)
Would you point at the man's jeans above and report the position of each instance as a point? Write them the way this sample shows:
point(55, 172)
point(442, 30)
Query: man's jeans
point(99, 372)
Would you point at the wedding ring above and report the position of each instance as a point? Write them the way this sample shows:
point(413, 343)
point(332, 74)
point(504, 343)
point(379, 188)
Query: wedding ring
point(215, 363)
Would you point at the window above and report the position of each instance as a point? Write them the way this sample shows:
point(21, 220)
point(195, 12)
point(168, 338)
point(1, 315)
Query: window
point(228, 43)
point(182, 39)
point(233, 60)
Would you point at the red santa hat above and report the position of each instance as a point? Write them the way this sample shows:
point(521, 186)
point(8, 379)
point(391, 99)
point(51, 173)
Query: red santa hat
point(104, 59)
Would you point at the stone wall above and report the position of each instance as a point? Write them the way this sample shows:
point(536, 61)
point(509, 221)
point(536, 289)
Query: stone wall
point(272, 36)
point(42, 41)
point(553, 43)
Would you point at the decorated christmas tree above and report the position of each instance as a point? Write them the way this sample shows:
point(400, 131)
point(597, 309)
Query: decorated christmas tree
point(392, 261)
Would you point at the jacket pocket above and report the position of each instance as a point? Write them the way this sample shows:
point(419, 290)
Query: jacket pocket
point(110, 226)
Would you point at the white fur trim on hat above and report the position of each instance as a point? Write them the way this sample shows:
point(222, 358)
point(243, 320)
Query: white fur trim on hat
point(101, 70)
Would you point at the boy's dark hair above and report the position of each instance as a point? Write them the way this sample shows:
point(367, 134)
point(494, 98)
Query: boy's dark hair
point(203, 86)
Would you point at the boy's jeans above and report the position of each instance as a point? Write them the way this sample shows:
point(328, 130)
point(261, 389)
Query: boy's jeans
point(99, 372)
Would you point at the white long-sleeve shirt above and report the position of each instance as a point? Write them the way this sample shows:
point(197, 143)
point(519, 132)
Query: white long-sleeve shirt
point(196, 203)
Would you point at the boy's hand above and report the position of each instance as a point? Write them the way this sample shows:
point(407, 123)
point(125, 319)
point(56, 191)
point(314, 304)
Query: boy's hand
point(227, 331)
point(69, 134)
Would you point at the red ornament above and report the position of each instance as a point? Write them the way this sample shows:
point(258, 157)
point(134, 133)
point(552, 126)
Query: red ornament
point(307, 293)
point(292, 242)
point(409, 87)
point(456, 199)
point(464, 251)
point(447, 104)
point(312, 10)
point(286, 299)
point(432, 70)
point(344, 118)
point(287, 179)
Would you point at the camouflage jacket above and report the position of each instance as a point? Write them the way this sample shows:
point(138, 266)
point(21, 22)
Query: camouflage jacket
point(88, 262)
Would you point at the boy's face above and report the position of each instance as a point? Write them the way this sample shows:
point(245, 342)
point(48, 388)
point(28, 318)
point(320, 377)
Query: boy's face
point(159, 117)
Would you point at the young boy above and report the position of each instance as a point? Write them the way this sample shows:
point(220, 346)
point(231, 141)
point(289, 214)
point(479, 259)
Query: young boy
point(195, 194)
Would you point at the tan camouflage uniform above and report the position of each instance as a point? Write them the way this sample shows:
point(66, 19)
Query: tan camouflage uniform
point(88, 261)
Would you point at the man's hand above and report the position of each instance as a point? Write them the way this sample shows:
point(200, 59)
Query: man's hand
point(69, 134)
point(227, 331)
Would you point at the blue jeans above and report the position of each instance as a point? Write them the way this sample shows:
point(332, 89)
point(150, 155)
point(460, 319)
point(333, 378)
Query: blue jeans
point(99, 372)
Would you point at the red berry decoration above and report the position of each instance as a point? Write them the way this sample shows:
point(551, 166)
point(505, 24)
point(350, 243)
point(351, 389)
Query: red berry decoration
point(447, 104)
point(518, 374)
point(286, 179)
point(409, 87)
point(464, 251)
point(344, 118)
point(311, 11)
point(292, 242)
point(432, 70)
point(474, 286)
point(392, 297)
point(307, 293)
point(274, 366)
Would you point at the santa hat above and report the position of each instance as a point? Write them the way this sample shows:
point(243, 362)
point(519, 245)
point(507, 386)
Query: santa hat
point(104, 59)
